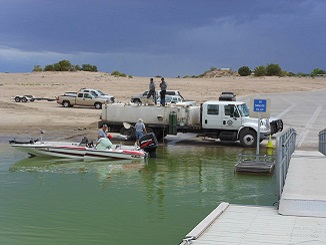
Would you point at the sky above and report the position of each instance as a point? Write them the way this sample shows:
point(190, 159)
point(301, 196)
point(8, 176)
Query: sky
point(163, 38)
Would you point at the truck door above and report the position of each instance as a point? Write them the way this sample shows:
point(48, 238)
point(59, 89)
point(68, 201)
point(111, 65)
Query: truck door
point(231, 117)
point(211, 116)
point(84, 99)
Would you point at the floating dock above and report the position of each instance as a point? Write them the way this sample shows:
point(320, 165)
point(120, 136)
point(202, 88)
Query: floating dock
point(300, 219)
point(260, 164)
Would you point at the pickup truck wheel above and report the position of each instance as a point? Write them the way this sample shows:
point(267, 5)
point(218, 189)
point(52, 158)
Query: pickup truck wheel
point(17, 99)
point(24, 99)
point(65, 103)
point(98, 105)
point(248, 138)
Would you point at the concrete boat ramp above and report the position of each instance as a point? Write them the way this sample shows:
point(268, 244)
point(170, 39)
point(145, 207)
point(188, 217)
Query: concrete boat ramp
point(300, 218)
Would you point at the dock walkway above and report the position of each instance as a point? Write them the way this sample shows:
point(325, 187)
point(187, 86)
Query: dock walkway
point(300, 219)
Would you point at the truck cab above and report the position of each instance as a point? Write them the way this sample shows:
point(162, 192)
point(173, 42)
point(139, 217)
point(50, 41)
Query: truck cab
point(230, 121)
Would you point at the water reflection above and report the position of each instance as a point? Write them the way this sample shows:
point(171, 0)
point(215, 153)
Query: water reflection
point(103, 169)
point(58, 201)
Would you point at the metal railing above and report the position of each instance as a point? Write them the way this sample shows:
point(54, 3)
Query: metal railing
point(322, 141)
point(285, 146)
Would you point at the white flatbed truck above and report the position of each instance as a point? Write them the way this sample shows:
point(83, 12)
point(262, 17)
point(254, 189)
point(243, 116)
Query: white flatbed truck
point(223, 120)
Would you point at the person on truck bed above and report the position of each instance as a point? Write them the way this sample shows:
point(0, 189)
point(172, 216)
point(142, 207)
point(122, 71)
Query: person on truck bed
point(102, 132)
point(140, 130)
point(163, 86)
point(104, 143)
point(151, 91)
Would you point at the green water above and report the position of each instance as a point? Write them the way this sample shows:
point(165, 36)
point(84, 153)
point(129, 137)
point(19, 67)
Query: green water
point(157, 202)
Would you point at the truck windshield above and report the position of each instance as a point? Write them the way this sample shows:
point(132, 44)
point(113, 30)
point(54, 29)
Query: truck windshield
point(100, 92)
point(244, 110)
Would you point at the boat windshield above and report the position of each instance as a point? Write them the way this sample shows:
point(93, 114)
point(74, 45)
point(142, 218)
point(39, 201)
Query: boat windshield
point(244, 110)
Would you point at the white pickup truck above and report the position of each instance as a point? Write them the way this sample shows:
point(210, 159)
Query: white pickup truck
point(223, 120)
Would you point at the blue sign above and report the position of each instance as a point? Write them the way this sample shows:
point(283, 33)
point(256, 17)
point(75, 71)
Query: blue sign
point(260, 105)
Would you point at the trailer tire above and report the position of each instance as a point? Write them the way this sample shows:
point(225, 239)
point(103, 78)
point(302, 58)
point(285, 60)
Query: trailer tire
point(24, 99)
point(66, 103)
point(17, 99)
point(98, 105)
point(248, 138)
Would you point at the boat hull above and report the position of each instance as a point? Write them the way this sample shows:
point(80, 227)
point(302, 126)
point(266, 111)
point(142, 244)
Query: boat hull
point(75, 151)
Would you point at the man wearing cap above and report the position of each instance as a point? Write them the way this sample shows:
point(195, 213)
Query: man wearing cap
point(102, 132)
point(104, 143)
point(140, 130)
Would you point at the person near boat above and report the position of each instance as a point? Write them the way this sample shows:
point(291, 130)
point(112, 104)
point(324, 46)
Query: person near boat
point(104, 143)
point(140, 129)
point(102, 133)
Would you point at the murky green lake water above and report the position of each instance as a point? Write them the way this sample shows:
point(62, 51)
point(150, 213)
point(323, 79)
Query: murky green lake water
point(43, 201)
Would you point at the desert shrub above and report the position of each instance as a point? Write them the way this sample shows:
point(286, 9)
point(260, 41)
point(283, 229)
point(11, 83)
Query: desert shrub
point(77, 68)
point(63, 65)
point(273, 70)
point(244, 71)
point(302, 74)
point(88, 67)
point(317, 71)
point(118, 74)
point(49, 68)
point(260, 71)
point(37, 68)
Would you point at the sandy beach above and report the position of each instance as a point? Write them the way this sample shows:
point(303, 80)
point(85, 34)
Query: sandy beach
point(20, 119)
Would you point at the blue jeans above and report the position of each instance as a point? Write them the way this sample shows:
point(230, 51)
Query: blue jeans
point(139, 134)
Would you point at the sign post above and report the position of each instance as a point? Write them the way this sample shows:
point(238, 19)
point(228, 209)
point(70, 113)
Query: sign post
point(259, 106)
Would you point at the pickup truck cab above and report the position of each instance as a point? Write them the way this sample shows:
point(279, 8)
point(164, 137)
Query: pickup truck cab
point(99, 94)
point(81, 99)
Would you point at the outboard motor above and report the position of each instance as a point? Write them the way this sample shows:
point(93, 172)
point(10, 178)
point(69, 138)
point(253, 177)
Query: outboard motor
point(148, 143)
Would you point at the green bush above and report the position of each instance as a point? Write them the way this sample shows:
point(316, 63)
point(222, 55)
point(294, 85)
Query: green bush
point(118, 74)
point(244, 71)
point(273, 70)
point(88, 67)
point(65, 65)
point(317, 71)
point(37, 68)
point(260, 71)
point(49, 68)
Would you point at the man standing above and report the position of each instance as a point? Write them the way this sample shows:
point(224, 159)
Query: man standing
point(151, 91)
point(163, 86)
point(140, 130)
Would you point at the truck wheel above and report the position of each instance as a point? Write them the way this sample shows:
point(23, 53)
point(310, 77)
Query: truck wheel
point(98, 106)
point(65, 103)
point(248, 138)
point(137, 101)
point(24, 99)
point(17, 99)
point(129, 133)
